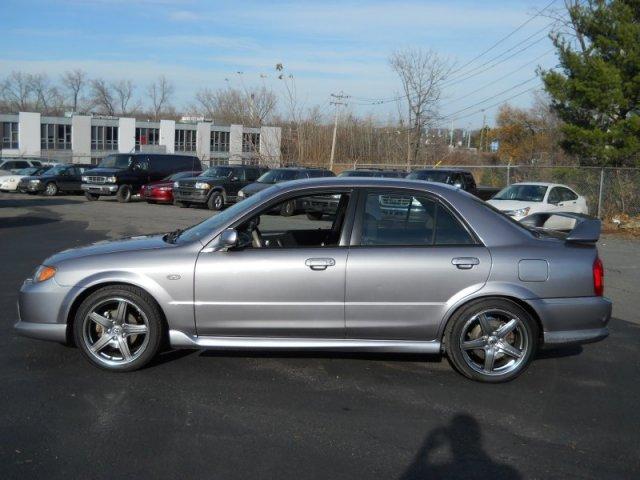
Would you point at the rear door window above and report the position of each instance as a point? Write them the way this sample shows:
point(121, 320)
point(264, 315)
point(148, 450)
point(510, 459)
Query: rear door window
point(399, 219)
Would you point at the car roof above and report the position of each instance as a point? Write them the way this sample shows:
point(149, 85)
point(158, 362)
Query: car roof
point(434, 169)
point(541, 184)
point(341, 182)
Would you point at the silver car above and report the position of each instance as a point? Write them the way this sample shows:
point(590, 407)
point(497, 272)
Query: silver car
point(401, 266)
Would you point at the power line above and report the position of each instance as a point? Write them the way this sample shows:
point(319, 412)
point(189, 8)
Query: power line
point(517, 29)
point(488, 107)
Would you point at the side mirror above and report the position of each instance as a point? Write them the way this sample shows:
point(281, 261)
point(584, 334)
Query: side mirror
point(227, 239)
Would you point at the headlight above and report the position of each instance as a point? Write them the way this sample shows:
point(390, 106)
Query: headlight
point(176, 184)
point(111, 179)
point(12, 180)
point(202, 185)
point(43, 273)
point(240, 194)
point(35, 182)
point(85, 178)
point(521, 212)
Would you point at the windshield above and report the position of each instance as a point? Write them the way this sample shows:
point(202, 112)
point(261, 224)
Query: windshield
point(57, 170)
point(523, 193)
point(116, 161)
point(27, 171)
point(430, 176)
point(179, 175)
point(216, 172)
point(213, 223)
point(275, 176)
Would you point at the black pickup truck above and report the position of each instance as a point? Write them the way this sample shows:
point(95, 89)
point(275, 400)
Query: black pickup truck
point(457, 177)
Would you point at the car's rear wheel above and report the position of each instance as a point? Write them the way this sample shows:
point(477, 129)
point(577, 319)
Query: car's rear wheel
point(51, 189)
point(491, 340)
point(216, 201)
point(118, 328)
point(288, 209)
point(124, 194)
point(92, 197)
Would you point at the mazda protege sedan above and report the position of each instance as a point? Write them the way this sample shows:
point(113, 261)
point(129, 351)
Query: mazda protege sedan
point(401, 266)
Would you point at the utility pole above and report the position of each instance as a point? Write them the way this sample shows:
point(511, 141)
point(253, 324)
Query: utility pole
point(484, 122)
point(339, 97)
point(469, 137)
point(451, 135)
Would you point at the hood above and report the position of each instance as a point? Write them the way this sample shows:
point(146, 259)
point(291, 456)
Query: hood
point(511, 204)
point(159, 183)
point(103, 171)
point(190, 182)
point(256, 187)
point(146, 242)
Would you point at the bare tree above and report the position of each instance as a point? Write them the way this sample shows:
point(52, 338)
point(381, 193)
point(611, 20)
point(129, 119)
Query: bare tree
point(123, 92)
point(74, 82)
point(160, 93)
point(422, 74)
point(230, 105)
point(102, 97)
point(16, 92)
point(48, 98)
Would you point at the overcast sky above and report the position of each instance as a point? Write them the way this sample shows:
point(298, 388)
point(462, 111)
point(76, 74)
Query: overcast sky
point(327, 46)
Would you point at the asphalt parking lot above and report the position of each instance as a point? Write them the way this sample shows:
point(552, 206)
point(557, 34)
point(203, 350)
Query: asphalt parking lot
point(574, 414)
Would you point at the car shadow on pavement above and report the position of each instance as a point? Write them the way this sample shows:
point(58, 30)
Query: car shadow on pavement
point(559, 352)
point(388, 357)
point(30, 221)
point(36, 202)
point(455, 451)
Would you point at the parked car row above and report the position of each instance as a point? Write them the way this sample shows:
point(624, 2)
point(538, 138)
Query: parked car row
point(180, 180)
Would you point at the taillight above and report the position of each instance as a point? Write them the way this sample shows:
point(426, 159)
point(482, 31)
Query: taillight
point(598, 277)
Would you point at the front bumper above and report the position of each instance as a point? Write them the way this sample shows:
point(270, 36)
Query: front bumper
point(191, 195)
point(99, 189)
point(157, 195)
point(42, 310)
point(571, 321)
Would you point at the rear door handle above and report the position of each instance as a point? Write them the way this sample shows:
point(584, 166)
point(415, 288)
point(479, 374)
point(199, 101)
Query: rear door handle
point(465, 263)
point(319, 263)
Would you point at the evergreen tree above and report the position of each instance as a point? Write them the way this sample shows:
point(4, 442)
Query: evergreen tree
point(596, 91)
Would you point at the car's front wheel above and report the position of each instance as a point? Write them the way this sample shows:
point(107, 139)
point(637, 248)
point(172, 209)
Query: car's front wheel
point(216, 201)
point(491, 340)
point(51, 189)
point(118, 328)
point(92, 197)
point(123, 195)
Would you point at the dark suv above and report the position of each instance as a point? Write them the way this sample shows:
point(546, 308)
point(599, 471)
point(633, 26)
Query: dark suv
point(123, 174)
point(215, 187)
point(61, 178)
point(284, 174)
point(452, 176)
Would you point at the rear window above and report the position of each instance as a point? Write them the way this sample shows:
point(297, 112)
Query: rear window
point(430, 176)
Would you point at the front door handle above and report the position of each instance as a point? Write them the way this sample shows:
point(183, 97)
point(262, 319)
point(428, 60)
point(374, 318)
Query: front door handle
point(465, 263)
point(319, 263)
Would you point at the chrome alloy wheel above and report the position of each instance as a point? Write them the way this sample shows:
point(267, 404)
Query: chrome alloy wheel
point(494, 342)
point(116, 331)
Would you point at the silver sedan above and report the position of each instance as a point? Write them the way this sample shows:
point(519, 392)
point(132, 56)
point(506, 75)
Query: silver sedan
point(396, 266)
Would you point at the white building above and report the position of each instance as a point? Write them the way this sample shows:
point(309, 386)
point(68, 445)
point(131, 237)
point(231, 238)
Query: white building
point(87, 139)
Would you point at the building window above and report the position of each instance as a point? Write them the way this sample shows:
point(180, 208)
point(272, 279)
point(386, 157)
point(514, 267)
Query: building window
point(9, 134)
point(104, 138)
point(219, 141)
point(185, 141)
point(147, 136)
point(250, 142)
point(55, 136)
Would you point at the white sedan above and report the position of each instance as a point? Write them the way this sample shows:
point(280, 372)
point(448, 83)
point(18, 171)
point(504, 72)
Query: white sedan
point(521, 199)
point(9, 183)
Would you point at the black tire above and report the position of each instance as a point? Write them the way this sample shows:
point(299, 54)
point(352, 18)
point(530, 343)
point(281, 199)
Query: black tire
point(180, 204)
point(472, 361)
point(140, 299)
point(50, 189)
point(124, 194)
point(288, 209)
point(92, 197)
point(314, 215)
point(216, 201)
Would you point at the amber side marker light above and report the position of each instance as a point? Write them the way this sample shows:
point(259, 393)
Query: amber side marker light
point(44, 273)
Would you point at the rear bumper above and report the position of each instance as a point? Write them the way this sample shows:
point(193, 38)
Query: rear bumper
point(570, 321)
point(99, 189)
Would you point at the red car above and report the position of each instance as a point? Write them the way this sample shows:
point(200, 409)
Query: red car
point(161, 191)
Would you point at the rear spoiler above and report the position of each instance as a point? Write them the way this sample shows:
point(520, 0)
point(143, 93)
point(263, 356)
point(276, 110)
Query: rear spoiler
point(586, 230)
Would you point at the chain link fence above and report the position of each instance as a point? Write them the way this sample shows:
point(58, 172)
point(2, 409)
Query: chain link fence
point(610, 192)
